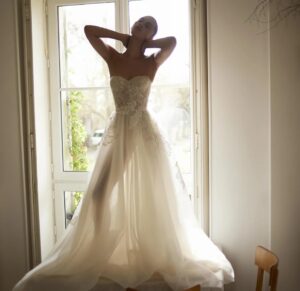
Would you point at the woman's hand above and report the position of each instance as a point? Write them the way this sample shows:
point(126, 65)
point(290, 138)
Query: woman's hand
point(95, 35)
point(125, 39)
point(148, 44)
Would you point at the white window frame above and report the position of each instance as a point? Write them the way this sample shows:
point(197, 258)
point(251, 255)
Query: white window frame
point(59, 189)
point(199, 105)
point(201, 112)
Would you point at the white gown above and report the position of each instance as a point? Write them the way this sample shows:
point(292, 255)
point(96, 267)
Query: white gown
point(135, 218)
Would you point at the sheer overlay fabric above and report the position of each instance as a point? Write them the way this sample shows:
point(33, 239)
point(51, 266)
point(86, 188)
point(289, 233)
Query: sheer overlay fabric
point(135, 218)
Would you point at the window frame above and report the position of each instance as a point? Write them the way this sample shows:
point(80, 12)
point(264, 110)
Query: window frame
point(59, 202)
point(200, 51)
point(198, 108)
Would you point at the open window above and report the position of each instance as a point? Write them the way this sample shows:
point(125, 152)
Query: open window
point(73, 99)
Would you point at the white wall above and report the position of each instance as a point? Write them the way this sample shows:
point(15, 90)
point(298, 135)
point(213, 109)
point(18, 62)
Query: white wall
point(285, 133)
point(255, 140)
point(13, 260)
point(240, 136)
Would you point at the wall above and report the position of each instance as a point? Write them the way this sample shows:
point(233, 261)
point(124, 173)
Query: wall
point(285, 133)
point(239, 136)
point(255, 140)
point(13, 259)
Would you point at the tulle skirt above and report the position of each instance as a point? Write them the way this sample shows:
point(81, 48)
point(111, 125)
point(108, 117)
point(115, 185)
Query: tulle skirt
point(135, 220)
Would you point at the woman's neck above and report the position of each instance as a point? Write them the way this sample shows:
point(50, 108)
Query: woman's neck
point(134, 49)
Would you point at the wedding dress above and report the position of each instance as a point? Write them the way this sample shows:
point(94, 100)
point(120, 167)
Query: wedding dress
point(135, 218)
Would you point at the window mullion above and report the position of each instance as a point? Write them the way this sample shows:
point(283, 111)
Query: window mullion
point(122, 19)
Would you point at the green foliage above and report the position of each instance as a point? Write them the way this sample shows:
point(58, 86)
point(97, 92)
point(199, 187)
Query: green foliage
point(77, 137)
point(77, 134)
point(77, 197)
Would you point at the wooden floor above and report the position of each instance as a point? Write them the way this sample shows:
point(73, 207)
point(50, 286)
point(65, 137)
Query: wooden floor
point(158, 276)
point(195, 288)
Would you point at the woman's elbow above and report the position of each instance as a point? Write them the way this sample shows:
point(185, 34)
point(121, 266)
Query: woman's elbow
point(90, 29)
point(87, 29)
point(173, 41)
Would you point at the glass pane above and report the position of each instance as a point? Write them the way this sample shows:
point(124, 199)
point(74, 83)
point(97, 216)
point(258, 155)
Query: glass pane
point(84, 117)
point(71, 200)
point(80, 64)
point(170, 94)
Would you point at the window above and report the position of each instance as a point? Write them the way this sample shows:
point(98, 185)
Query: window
point(81, 100)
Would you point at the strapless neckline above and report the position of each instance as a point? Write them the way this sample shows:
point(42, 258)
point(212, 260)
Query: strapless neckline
point(132, 78)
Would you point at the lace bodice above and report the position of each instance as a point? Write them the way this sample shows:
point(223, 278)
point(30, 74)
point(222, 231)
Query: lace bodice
point(130, 95)
point(131, 98)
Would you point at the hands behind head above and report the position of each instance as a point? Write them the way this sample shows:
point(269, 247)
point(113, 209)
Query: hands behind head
point(125, 40)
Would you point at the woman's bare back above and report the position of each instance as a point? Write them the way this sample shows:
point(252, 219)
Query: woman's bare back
point(121, 65)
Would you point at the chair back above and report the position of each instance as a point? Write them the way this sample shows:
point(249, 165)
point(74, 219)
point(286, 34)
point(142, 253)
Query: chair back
point(266, 261)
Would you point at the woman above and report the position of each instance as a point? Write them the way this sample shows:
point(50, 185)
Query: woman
point(133, 62)
point(135, 219)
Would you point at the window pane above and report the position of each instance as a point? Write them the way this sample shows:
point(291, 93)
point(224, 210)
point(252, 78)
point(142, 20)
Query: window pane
point(80, 64)
point(84, 117)
point(71, 200)
point(170, 95)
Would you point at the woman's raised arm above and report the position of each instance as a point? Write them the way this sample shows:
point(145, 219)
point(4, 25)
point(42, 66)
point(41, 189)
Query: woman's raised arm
point(94, 35)
point(166, 45)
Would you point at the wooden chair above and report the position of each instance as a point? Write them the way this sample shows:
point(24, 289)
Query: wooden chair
point(266, 261)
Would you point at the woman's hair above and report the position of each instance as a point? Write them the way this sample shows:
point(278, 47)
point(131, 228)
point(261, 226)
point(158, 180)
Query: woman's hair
point(155, 25)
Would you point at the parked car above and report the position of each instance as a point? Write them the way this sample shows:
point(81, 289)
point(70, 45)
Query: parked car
point(95, 139)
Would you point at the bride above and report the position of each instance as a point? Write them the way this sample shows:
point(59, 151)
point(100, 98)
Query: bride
point(135, 220)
